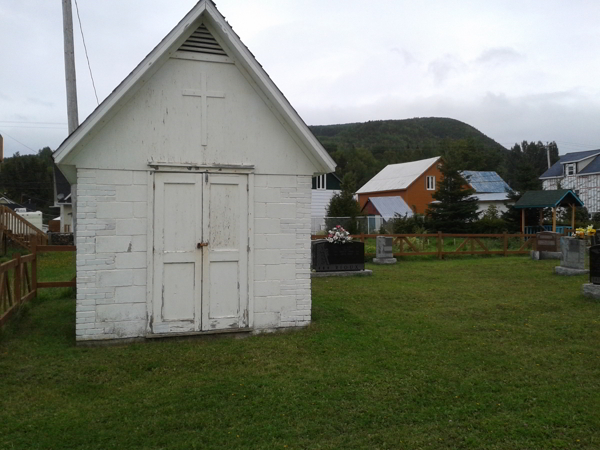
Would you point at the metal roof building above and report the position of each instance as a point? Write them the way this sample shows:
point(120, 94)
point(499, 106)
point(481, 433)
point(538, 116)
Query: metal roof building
point(485, 182)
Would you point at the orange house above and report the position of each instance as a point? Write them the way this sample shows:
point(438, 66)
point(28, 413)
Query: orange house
point(414, 181)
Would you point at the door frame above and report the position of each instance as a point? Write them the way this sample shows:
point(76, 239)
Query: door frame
point(157, 167)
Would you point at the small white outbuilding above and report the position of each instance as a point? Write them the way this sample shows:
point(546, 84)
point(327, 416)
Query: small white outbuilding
point(192, 194)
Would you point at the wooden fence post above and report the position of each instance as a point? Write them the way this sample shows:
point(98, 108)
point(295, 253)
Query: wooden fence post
point(440, 245)
point(17, 280)
point(362, 237)
point(34, 270)
point(505, 243)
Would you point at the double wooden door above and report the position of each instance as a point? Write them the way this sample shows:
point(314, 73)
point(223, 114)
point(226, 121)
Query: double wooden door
point(200, 273)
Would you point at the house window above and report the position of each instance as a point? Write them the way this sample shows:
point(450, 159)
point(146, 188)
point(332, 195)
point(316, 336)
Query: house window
point(430, 183)
point(569, 169)
point(321, 181)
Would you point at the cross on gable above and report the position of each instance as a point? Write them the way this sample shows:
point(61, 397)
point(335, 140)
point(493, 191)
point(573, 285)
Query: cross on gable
point(204, 94)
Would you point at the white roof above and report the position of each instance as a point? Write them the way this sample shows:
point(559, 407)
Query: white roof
point(204, 10)
point(492, 197)
point(397, 176)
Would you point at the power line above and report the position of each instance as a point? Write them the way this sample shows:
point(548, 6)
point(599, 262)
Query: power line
point(34, 127)
point(86, 52)
point(29, 122)
point(16, 140)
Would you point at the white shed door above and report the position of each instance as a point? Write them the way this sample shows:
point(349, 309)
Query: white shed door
point(200, 252)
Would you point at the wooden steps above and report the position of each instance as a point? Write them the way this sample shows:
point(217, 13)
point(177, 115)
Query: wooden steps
point(19, 230)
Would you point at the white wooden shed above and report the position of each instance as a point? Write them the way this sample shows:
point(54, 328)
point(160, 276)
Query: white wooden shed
point(192, 190)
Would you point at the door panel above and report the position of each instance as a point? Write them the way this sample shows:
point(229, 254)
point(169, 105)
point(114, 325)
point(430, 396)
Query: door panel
point(225, 287)
point(178, 301)
point(200, 287)
point(177, 262)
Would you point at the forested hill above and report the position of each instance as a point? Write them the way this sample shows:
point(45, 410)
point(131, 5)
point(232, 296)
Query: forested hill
point(363, 149)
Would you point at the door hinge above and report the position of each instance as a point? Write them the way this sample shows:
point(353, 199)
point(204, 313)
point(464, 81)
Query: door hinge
point(247, 188)
point(206, 177)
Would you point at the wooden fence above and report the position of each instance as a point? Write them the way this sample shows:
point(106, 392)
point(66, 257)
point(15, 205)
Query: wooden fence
point(18, 279)
point(472, 244)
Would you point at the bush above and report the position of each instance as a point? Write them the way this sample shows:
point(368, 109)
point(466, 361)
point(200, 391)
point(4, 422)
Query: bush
point(415, 224)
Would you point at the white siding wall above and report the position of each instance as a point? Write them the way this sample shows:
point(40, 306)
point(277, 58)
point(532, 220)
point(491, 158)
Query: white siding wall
point(112, 253)
point(320, 201)
point(587, 187)
point(282, 296)
point(500, 206)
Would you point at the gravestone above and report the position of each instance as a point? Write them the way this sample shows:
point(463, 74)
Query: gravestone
point(592, 289)
point(595, 264)
point(384, 253)
point(548, 245)
point(572, 260)
point(328, 257)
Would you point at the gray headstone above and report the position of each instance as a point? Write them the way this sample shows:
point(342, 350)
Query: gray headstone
point(572, 252)
point(384, 253)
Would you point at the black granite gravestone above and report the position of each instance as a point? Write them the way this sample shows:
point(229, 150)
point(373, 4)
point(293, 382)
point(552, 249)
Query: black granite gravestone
point(327, 257)
point(595, 264)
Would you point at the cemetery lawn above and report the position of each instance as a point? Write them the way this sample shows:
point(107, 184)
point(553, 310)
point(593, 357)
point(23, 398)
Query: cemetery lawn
point(467, 353)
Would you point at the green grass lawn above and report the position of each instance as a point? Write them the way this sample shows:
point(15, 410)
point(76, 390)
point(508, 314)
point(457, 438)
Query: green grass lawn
point(478, 353)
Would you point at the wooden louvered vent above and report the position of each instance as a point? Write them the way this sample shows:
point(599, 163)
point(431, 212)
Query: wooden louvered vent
point(201, 41)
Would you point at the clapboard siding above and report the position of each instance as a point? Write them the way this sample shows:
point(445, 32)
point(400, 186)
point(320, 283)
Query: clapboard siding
point(320, 202)
point(587, 188)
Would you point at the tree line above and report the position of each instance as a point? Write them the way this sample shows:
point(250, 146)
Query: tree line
point(456, 209)
point(29, 181)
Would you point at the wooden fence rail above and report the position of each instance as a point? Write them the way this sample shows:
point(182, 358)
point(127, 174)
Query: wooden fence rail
point(18, 279)
point(472, 244)
point(19, 230)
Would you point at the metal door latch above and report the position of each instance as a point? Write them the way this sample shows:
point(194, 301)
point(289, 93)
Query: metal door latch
point(201, 244)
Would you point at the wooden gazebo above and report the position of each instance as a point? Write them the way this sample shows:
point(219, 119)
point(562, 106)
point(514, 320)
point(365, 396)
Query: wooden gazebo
point(548, 199)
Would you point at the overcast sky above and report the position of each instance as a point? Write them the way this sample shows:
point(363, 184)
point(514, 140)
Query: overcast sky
point(515, 70)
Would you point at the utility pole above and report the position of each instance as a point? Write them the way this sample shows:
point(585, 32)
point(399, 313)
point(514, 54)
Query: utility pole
point(72, 114)
point(548, 154)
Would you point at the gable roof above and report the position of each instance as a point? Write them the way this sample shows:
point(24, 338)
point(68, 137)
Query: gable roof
point(557, 168)
point(487, 182)
point(548, 199)
point(395, 177)
point(388, 207)
point(205, 12)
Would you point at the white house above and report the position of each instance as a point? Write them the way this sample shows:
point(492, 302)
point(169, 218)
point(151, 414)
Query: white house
point(62, 200)
point(580, 172)
point(324, 187)
point(191, 186)
point(490, 189)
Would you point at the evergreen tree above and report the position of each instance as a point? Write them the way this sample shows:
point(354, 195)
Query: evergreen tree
point(456, 209)
point(344, 205)
point(28, 179)
point(526, 162)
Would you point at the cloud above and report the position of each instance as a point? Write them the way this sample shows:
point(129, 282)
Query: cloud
point(38, 102)
point(443, 67)
point(499, 55)
point(406, 56)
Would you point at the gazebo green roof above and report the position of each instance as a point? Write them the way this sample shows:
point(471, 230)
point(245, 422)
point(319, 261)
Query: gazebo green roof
point(548, 199)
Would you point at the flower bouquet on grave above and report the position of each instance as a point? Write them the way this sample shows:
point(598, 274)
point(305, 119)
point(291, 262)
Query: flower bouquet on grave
point(338, 236)
point(581, 233)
